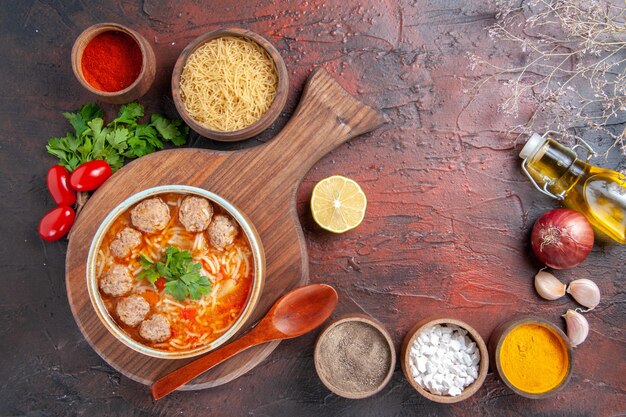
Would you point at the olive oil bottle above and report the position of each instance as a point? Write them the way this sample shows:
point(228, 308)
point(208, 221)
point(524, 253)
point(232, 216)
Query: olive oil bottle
point(598, 193)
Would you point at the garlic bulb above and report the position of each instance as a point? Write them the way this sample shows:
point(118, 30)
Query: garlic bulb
point(548, 286)
point(577, 327)
point(585, 291)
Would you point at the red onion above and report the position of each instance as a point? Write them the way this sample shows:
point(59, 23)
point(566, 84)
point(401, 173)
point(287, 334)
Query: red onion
point(562, 238)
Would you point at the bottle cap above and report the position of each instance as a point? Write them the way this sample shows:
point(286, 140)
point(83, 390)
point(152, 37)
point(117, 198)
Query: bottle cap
point(532, 146)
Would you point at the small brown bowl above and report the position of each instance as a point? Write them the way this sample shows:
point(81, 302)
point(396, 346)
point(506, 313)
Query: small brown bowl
point(482, 367)
point(323, 368)
point(495, 345)
point(270, 115)
point(145, 78)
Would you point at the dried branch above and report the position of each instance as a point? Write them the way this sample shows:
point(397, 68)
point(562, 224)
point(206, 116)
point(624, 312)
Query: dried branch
point(574, 69)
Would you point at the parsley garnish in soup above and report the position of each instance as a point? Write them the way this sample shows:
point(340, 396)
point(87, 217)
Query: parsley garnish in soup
point(182, 276)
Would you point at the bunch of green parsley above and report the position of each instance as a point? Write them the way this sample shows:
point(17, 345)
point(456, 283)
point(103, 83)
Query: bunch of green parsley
point(122, 138)
point(182, 276)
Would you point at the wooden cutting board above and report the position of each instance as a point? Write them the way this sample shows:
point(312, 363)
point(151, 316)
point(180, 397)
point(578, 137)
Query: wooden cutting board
point(261, 182)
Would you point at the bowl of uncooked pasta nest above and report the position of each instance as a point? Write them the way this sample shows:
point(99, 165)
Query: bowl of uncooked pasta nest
point(230, 84)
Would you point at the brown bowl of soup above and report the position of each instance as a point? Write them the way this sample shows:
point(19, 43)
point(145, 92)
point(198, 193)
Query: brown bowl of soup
point(175, 271)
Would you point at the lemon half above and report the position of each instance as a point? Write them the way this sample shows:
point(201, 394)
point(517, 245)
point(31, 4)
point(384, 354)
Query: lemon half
point(338, 204)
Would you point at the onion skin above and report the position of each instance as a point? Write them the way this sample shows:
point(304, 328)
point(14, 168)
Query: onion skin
point(562, 238)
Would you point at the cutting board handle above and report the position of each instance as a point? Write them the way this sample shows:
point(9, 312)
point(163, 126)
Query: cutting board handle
point(326, 117)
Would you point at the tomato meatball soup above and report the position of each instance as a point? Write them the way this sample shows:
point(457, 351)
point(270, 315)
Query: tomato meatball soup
point(174, 271)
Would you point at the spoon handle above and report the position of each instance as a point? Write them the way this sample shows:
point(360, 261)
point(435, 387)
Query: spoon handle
point(163, 386)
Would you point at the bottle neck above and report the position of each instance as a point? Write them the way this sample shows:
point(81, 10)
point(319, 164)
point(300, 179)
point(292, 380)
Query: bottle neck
point(571, 178)
point(556, 168)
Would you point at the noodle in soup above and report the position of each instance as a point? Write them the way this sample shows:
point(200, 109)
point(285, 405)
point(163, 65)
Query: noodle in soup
point(143, 310)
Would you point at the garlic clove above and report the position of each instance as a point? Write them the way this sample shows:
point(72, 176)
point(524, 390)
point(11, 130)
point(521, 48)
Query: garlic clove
point(548, 286)
point(577, 327)
point(585, 292)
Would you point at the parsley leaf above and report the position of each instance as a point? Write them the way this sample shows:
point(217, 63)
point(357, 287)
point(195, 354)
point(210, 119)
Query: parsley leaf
point(66, 149)
point(170, 130)
point(176, 289)
point(148, 133)
point(150, 272)
point(182, 276)
point(129, 113)
point(198, 287)
point(138, 147)
point(85, 114)
point(115, 160)
point(124, 137)
point(117, 139)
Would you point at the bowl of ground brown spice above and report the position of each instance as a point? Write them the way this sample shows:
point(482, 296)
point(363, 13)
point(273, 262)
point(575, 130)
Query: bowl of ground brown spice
point(355, 356)
point(113, 62)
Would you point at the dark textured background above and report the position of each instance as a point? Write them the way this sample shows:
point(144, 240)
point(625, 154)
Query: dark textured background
point(446, 232)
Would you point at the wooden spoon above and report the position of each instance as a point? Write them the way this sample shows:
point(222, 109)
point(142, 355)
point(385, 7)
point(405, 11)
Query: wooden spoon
point(294, 314)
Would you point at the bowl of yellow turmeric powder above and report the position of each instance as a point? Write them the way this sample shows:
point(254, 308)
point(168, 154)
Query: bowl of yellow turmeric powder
point(532, 356)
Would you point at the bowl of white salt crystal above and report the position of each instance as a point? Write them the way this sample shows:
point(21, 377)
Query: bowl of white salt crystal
point(444, 359)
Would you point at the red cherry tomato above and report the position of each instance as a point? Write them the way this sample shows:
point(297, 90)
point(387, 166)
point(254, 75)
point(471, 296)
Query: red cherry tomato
point(90, 175)
point(160, 283)
point(58, 181)
point(56, 223)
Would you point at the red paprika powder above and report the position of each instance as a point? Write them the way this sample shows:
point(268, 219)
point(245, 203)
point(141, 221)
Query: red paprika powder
point(111, 61)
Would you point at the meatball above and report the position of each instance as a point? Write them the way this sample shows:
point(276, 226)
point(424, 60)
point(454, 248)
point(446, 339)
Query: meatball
point(132, 310)
point(125, 241)
point(150, 215)
point(222, 231)
point(195, 213)
point(155, 329)
point(117, 281)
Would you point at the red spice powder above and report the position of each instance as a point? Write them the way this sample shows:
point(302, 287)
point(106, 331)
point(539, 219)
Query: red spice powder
point(111, 61)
